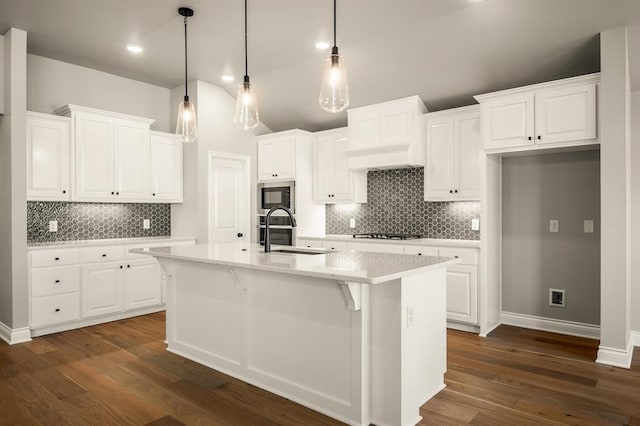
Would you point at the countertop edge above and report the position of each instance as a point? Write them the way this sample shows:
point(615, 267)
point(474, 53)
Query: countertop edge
point(418, 242)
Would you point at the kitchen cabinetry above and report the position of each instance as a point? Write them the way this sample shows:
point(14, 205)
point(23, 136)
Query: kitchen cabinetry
point(386, 135)
point(111, 155)
point(333, 182)
point(559, 113)
point(48, 157)
point(453, 155)
point(101, 289)
point(166, 168)
point(277, 155)
point(142, 284)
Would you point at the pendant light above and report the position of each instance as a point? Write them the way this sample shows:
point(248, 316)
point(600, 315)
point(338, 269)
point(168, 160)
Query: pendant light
point(246, 115)
point(186, 127)
point(334, 91)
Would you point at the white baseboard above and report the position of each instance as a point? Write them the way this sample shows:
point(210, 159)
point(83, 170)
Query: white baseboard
point(463, 327)
point(552, 325)
point(616, 357)
point(14, 335)
point(635, 338)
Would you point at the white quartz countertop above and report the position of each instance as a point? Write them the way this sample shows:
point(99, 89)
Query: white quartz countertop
point(363, 267)
point(106, 242)
point(417, 242)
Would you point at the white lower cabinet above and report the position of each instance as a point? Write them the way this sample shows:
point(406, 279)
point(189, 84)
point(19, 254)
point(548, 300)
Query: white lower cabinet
point(101, 289)
point(462, 293)
point(55, 309)
point(142, 284)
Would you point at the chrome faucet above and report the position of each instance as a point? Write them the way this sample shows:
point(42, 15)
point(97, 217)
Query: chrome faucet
point(267, 233)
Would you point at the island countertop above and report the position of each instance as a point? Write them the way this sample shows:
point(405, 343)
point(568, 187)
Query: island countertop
point(363, 267)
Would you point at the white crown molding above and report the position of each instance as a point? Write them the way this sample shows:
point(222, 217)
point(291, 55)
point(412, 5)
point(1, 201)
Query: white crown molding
point(70, 108)
point(552, 325)
point(460, 110)
point(16, 335)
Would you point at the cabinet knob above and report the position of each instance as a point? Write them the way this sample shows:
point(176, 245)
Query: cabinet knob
point(117, 193)
point(56, 258)
point(450, 191)
point(456, 191)
point(104, 255)
point(57, 281)
point(57, 309)
point(539, 137)
point(64, 191)
point(120, 266)
point(529, 138)
point(419, 254)
point(113, 193)
point(154, 194)
point(240, 235)
point(128, 266)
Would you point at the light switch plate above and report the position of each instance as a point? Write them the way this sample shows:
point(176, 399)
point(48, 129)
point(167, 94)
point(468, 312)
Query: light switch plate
point(146, 224)
point(554, 225)
point(588, 226)
point(53, 226)
point(352, 223)
point(475, 224)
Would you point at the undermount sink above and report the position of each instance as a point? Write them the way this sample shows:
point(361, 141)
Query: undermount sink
point(300, 251)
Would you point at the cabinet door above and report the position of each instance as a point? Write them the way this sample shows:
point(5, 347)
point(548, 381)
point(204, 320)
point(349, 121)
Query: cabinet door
point(342, 185)
point(284, 159)
point(567, 114)
point(323, 168)
point(101, 289)
point(131, 146)
point(508, 122)
point(48, 152)
point(142, 284)
point(363, 128)
point(468, 155)
point(94, 158)
point(266, 160)
point(397, 122)
point(439, 162)
point(166, 168)
point(462, 294)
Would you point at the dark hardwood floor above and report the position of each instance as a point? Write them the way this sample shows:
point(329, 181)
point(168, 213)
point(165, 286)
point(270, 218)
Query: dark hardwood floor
point(120, 373)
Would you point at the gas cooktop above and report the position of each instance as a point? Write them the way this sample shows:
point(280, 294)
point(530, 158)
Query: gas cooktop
point(383, 236)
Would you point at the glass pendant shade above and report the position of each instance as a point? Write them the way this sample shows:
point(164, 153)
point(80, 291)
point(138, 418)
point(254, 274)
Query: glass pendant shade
point(334, 91)
point(246, 116)
point(187, 127)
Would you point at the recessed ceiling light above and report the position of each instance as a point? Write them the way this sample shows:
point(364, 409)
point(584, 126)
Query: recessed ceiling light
point(134, 48)
point(322, 45)
point(227, 78)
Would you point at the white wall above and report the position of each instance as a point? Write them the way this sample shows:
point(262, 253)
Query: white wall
point(1, 74)
point(52, 84)
point(216, 132)
point(13, 192)
point(635, 211)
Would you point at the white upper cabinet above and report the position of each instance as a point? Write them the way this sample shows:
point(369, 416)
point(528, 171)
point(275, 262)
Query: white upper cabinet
point(386, 135)
point(453, 154)
point(560, 113)
point(166, 167)
point(112, 155)
point(333, 182)
point(277, 155)
point(48, 157)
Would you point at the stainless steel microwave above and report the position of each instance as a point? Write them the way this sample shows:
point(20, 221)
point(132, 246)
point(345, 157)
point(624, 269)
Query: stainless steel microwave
point(276, 194)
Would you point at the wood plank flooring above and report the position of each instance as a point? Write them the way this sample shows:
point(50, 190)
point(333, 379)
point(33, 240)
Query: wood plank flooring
point(120, 374)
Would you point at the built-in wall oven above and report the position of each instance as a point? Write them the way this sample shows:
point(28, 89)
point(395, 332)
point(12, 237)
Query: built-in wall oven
point(282, 233)
point(276, 194)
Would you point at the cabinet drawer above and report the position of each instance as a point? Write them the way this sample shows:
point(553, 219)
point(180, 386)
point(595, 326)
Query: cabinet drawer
point(50, 281)
point(54, 257)
point(421, 250)
point(102, 254)
point(334, 245)
point(467, 256)
point(55, 309)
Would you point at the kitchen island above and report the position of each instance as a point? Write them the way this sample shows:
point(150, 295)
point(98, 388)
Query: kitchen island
point(358, 336)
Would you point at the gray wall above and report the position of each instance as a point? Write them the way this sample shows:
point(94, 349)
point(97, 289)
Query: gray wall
point(13, 186)
point(52, 84)
point(536, 189)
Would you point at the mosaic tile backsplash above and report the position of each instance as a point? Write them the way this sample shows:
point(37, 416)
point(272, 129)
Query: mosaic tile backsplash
point(395, 205)
point(94, 221)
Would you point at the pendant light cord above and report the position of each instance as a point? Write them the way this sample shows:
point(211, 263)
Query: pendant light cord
point(246, 56)
point(334, 23)
point(186, 92)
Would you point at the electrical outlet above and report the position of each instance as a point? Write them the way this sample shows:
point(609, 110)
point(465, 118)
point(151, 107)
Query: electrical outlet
point(554, 225)
point(557, 298)
point(475, 224)
point(146, 224)
point(411, 315)
point(588, 226)
point(352, 223)
point(53, 226)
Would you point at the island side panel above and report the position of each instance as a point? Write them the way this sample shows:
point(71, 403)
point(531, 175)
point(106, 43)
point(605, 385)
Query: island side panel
point(408, 346)
point(289, 334)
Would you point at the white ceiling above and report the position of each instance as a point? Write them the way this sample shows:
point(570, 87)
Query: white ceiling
point(443, 50)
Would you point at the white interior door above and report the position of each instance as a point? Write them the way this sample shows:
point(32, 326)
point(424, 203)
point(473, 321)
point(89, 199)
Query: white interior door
point(228, 198)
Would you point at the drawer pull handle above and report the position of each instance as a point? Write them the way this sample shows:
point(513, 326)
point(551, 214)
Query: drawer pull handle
point(57, 281)
point(104, 255)
point(56, 258)
point(57, 309)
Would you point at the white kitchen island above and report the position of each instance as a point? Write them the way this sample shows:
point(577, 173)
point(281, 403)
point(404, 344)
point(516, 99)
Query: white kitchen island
point(358, 336)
